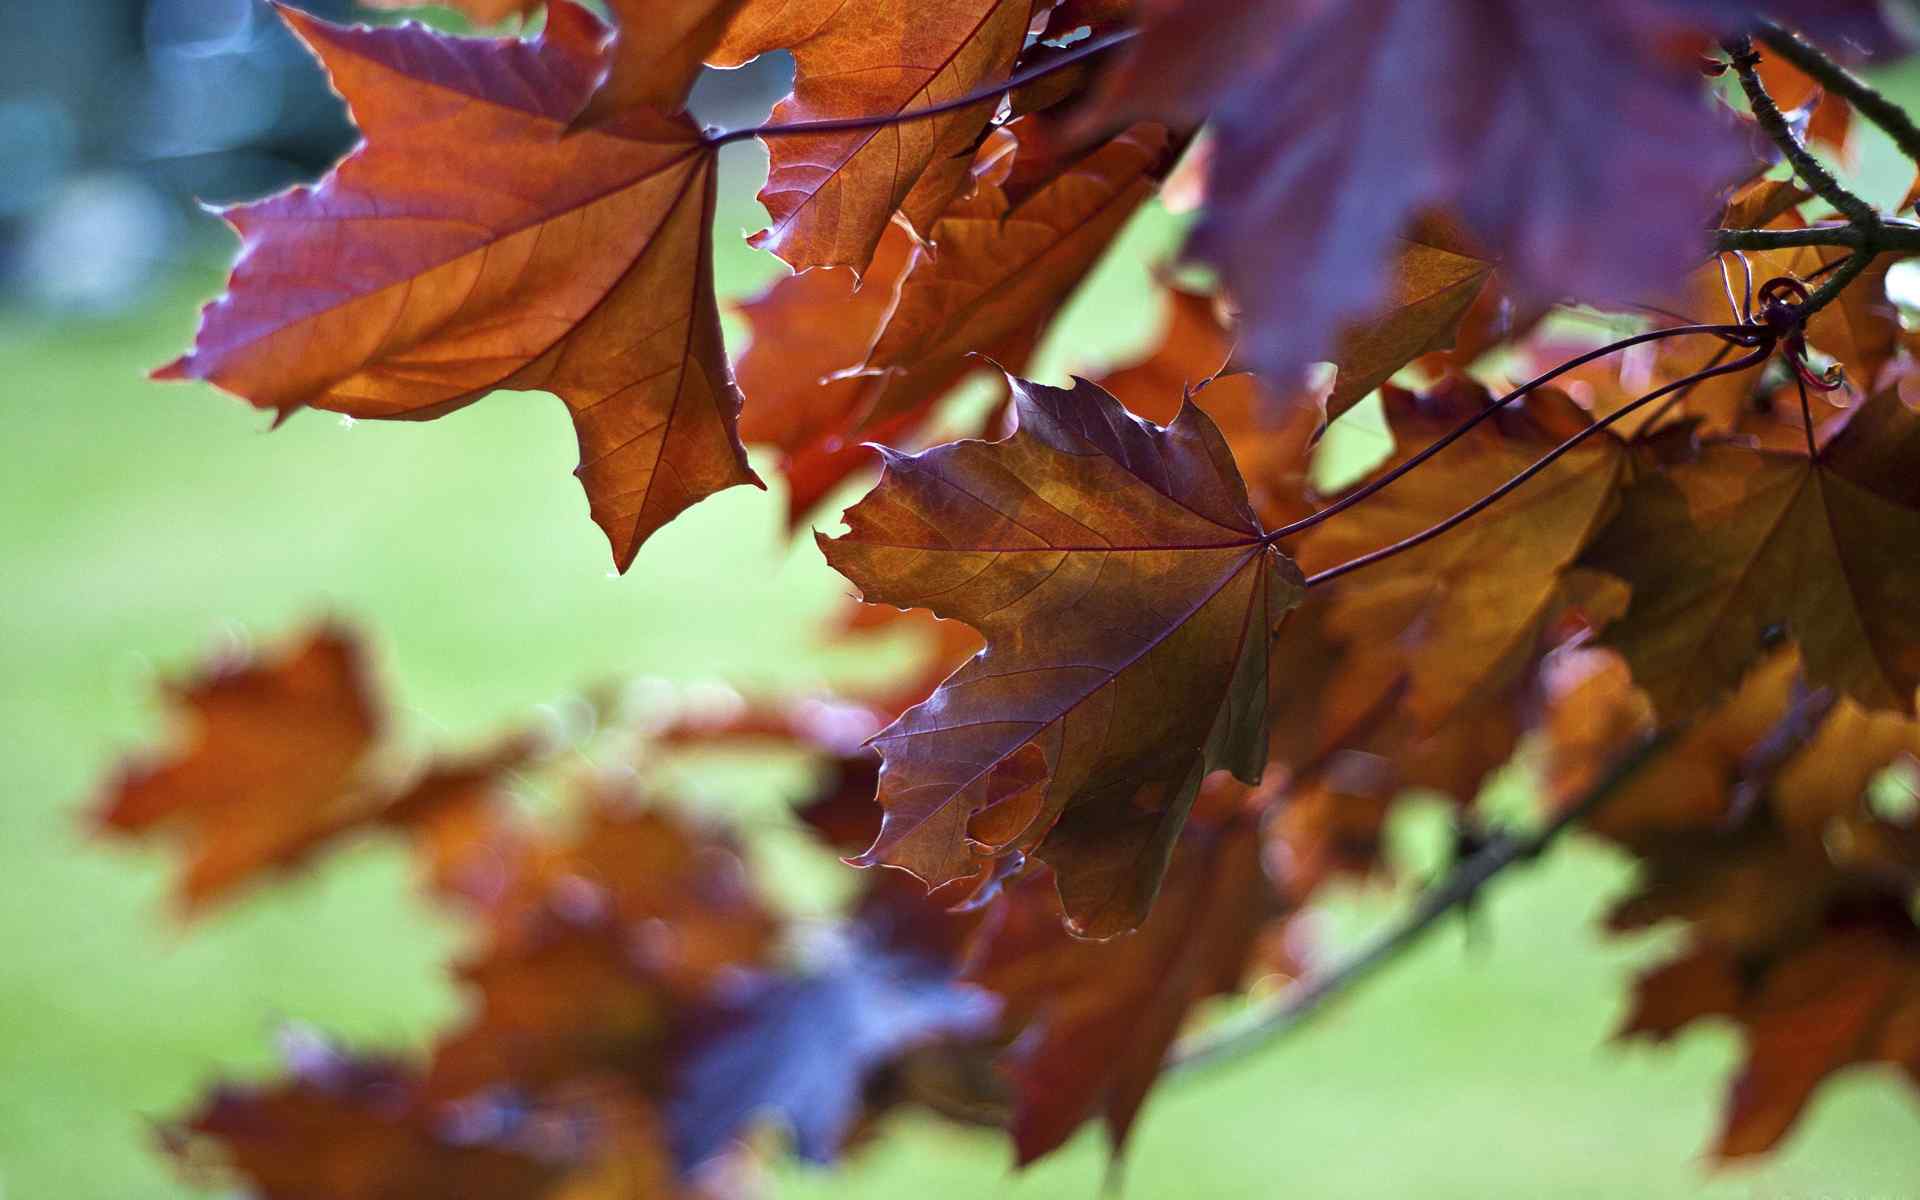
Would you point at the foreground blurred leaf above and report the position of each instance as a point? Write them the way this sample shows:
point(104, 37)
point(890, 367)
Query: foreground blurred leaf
point(1325, 156)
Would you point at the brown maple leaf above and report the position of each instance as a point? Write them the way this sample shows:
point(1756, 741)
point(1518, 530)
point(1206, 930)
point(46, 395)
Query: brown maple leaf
point(808, 331)
point(1467, 614)
point(471, 243)
point(276, 755)
point(1733, 548)
point(657, 53)
point(351, 1128)
point(1432, 283)
point(1009, 255)
point(1195, 347)
point(830, 195)
point(1126, 593)
point(1755, 828)
point(284, 759)
point(1850, 995)
point(1092, 1022)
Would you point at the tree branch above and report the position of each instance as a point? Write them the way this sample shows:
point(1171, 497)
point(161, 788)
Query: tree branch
point(1832, 77)
point(1810, 169)
point(1830, 291)
point(1292, 1008)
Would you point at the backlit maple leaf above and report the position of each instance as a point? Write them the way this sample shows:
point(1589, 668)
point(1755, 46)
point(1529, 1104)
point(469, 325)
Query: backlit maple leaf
point(1733, 549)
point(1126, 593)
point(471, 244)
point(830, 195)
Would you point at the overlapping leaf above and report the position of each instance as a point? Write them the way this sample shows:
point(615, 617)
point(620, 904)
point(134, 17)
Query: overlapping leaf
point(1095, 1020)
point(1326, 154)
point(1468, 612)
point(1271, 444)
point(1733, 548)
point(361, 1129)
point(1126, 594)
point(657, 53)
point(806, 330)
point(472, 244)
point(1010, 254)
point(1757, 830)
point(830, 195)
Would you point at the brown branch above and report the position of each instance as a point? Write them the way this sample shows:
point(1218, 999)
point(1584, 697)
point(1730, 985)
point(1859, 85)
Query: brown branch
point(1292, 1008)
point(1774, 124)
point(1832, 77)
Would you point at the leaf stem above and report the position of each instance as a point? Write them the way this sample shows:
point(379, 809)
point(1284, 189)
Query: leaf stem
point(1773, 123)
point(1293, 1007)
point(1735, 334)
point(1653, 418)
point(1806, 415)
point(1079, 54)
point(1426, 535)
point(1832, 77)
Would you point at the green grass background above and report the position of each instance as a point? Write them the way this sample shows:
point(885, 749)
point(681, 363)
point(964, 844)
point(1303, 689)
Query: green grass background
point(142, 525)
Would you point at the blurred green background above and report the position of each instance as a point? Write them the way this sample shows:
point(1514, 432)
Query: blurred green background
point(143, 526)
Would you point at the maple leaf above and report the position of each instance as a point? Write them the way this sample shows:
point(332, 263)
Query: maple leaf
point(597, 944)
point(283, 759)
point(277, 753)
point(1754, 827)
point(1432, 283)
point(1734, 547)
point(1324, 157)
point(1466, 613)
point(362, 1129)
point(1009, 255)
point(1851, 996)
point(1194, 348)
point(804, 1047)
point(657, 53)
point(1829, 119)
point(830, 195)
point(1122, 582)
point(468, 245)
point(807, 331)
point(1093, 1021)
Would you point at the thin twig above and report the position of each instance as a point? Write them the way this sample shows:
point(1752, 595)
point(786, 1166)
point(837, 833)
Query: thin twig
point(1806, 415)
point(1811, 171)
point(1079, 54)
point(1832, 77)
point(1292, 1008)
point(1546, 460)
point(1678, 398)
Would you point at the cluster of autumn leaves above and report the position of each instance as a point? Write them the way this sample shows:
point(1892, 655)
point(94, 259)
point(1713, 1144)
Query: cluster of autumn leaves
point(1167, 741)
point(642, 1013)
